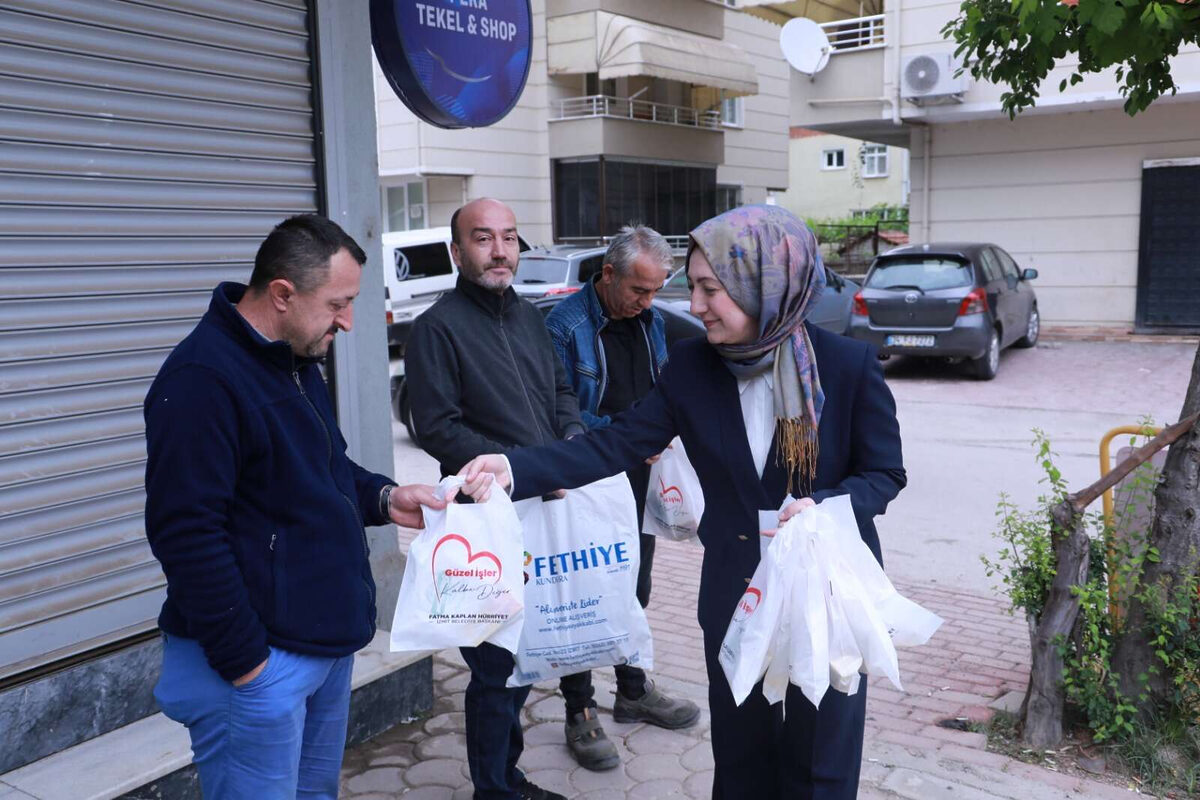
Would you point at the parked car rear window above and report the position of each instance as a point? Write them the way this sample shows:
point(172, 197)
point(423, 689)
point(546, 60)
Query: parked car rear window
point(926, 273)
point(543, 270)
point(589, 267)
point(422, 261)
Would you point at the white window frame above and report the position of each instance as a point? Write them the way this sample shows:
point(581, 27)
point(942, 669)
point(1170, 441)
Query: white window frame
point(875, 160)
point(733, 112)
point(386, 203)
point(833, 158)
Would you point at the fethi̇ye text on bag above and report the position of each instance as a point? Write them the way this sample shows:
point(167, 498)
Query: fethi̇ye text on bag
point(581, 564)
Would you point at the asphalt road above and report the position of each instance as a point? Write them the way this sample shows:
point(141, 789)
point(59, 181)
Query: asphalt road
point(966, 442)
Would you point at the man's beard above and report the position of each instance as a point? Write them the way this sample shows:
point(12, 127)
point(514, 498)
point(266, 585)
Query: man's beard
point(491, 280)
point(317, 348)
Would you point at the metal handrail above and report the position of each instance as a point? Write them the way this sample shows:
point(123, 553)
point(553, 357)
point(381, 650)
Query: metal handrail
point(859, 33)
point(601, 105)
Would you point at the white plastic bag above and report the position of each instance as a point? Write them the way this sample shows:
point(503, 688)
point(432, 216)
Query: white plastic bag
point(674, 502)
point(582, 554)
point(840, 615)
point(462, 579)
point(749, 643)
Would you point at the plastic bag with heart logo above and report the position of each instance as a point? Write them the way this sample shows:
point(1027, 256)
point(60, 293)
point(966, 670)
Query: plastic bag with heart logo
point(581, 564)
point(754, 636)
point(674, 502)
point(462, 579)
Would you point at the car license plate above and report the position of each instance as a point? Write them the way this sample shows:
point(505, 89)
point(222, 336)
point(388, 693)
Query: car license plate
point(909, 340)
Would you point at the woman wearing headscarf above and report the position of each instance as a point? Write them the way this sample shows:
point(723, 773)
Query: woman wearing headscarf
point(768, 405)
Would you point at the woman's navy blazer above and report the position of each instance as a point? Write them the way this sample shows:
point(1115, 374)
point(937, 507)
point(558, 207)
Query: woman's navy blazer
point(697, 399)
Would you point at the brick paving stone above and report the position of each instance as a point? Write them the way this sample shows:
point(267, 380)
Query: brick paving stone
point(545, 733)
point(368, 796)
point(382, 779)
point(649, 740)
point(949, 751)
point(455, 683)
point(699, 785)
point(555, 780)
point(461, 793)
point(548, 709)
point(447, 703)
point(602, 794)
point(584, 780)
point(444, 745)
point(429, 793)
point(435, 772)
point(547, 756)
point(654, 766)
point(654, 790)
point(699, 758)
point(453, 722)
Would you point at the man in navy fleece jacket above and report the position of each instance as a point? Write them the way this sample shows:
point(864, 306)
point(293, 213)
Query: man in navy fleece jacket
point(256, 514)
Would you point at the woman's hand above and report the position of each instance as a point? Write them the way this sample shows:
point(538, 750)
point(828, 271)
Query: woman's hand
point(795, 507)
point(481, 473)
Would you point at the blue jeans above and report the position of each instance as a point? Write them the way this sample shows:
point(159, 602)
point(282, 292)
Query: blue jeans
point(281, 735)
point(494, 737)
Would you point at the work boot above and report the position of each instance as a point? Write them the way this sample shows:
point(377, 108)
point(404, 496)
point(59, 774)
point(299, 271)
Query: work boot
point(657, 709)
point(531, 791)
point(588, 742)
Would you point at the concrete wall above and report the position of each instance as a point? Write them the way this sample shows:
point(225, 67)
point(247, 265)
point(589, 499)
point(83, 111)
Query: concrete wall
point(756, 155)
point(820, 193)
point(574, 138)
point(1061, 192)
point(695, 16)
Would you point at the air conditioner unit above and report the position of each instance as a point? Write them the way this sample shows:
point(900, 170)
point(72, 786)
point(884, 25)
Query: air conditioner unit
point(929, 78)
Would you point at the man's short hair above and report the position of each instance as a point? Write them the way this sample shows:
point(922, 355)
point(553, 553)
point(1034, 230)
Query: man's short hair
point(299, 249)
point(454, 227)
point(635, 240)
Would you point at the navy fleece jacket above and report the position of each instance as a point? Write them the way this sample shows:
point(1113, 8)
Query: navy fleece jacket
point(252, 505)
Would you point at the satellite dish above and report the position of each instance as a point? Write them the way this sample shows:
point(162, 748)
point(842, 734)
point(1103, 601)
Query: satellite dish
point(805, 45)
point(922, 73)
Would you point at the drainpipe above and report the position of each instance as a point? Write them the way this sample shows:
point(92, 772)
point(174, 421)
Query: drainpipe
point(898, 14)
point(927, 168)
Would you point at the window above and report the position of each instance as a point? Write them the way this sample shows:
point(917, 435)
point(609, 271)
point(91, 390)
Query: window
point(733, 112)
point(406, 209)
point(728, 197)
point(833, 159)
point(1006, 262)
point(874, 160)
point(422, 261)
point(670, 198)
point(928, 273)
point(990, 264)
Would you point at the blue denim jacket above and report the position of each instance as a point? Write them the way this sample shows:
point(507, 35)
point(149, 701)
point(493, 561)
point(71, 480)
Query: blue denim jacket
point(575, 326)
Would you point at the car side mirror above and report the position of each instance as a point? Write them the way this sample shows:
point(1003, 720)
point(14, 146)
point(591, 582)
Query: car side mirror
point(1029, 274)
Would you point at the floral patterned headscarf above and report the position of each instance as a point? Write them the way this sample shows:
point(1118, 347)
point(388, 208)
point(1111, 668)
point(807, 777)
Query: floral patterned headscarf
point(769, 263)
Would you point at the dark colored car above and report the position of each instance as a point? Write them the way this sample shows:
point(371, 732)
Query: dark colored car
point(679, 325)
point(832, 311)
point(947, 299)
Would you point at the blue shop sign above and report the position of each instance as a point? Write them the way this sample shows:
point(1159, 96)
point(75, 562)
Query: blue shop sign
point(455, 63)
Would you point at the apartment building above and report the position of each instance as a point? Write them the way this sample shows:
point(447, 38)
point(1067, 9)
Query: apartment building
point(836, 177)
point(1098, 202)
point(664, 112)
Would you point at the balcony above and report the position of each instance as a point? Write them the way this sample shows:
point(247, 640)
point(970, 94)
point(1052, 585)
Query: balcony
point(623, 126)
point(599, 105)
point(847, 97)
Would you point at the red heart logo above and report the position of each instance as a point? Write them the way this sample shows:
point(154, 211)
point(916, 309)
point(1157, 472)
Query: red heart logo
point(471, 557)
point(667, 490)
point(745, 607)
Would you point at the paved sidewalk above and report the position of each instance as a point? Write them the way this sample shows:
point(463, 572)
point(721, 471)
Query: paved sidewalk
point(980, 656)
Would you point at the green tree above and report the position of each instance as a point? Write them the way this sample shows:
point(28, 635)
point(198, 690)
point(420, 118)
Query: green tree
point(1016, 43)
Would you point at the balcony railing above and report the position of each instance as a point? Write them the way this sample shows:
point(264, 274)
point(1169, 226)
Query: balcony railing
point(599, 105)
point(860, 33)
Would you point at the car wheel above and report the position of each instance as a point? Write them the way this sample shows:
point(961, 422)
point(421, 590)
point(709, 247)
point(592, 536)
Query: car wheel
point(404, 407)
point(1032, 329)
point(986, 366)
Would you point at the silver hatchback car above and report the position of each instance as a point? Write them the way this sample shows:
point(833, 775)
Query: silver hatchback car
point(952, 299)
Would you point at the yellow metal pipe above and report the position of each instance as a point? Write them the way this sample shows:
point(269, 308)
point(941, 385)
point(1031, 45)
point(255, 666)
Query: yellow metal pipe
point(1105, 467)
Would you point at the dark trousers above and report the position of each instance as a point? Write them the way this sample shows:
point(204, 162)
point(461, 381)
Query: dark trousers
point(761, 754)
point(493, 717)
point(577, 689)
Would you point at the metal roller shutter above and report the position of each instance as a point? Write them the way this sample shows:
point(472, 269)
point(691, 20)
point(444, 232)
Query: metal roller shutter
point(145, 150)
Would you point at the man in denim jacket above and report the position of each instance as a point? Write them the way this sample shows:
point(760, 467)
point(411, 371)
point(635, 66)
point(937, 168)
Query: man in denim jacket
point(613, 345)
